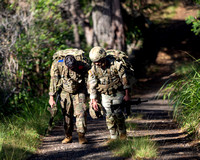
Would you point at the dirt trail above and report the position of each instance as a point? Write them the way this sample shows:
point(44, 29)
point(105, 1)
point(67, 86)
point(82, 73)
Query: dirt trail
point(157, 123)
point(52, 149)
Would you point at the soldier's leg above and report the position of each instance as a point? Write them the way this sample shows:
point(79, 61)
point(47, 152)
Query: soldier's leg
point(80, 114)
point(110, 119)
point(112, 127)
point(119, 116)
point(120, 122)
point(67, 112)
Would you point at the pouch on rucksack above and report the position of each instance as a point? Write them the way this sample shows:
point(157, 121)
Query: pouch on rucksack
point(123, 57)
point(77, 53)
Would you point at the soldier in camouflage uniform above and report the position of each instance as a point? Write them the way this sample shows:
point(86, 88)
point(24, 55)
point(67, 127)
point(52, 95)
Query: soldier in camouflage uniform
point(108, 77)
point(70, 76)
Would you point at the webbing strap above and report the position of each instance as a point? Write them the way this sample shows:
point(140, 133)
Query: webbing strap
point(106, 86)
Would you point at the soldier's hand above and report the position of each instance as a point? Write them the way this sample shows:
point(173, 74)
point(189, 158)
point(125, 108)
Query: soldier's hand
point(51, 101)
point(93, 102)
point(127, 95)
point(127, 98)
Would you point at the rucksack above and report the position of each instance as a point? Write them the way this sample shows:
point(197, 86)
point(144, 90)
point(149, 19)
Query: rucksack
point(77, 53)
point(59, 61)
point(123, 57)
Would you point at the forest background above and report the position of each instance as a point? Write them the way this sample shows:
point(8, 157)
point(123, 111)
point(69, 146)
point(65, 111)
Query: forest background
point(32, 31)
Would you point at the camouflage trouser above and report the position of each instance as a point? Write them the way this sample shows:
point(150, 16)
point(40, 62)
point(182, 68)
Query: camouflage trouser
point(115, 119)
point(73, 104)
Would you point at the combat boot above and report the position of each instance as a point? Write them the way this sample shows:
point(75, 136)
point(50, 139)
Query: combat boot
point(81, 138)
point(67, 139)
point(123, 136)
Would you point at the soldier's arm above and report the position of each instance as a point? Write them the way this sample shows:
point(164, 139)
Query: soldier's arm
point(92, 84)
point(54, 73)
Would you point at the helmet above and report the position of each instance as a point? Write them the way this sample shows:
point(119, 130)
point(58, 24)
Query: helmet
point(96, 114)
point(97, 53)
point(70, 61)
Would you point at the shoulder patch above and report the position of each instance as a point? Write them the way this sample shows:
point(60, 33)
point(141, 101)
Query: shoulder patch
point(61, 60)
point(90, 72)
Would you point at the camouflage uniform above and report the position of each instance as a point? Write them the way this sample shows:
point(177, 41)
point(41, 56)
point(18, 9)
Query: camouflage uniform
point(111, 83)
point(73, 91)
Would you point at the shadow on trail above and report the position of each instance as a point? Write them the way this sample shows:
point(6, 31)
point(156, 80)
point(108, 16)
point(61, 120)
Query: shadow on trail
point(53, 149)
point(158, 125)
point(74, 154)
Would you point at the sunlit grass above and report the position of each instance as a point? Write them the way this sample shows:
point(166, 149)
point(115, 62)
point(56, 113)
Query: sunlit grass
point(145, 148)
point(184, 95)
point(19, 143)
point(136, 148)
point(134, 116)
point(186, 68)
point(20, 135)
point(129, 121)
point(169, 12)
point(165, 11)
point(130, 126)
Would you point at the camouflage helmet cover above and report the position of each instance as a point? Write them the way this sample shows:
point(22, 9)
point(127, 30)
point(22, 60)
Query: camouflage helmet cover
point(96, 114)
point(97, 53)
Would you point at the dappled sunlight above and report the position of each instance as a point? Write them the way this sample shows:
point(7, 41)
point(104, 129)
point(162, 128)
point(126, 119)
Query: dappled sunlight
point(158, 124)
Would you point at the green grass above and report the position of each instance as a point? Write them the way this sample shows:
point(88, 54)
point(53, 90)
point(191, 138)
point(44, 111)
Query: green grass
point(20, 134)
point(144, 148)
point(184, 95)
point(186, 68)
point(130, 126)
point(169, 12)
point(164, 11)
point(136, 148)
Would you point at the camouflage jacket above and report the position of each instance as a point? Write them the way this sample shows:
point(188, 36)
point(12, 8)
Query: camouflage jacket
point(66, 79)
point(107, 81)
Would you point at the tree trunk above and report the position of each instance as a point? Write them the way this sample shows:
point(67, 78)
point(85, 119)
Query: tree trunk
point(117, 26)
point(74, 19)
point(71, 12)
point(88, 33)
point(108, 24)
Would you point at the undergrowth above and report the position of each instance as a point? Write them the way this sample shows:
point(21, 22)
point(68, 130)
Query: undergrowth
point(184, 95)
point(20, 134)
